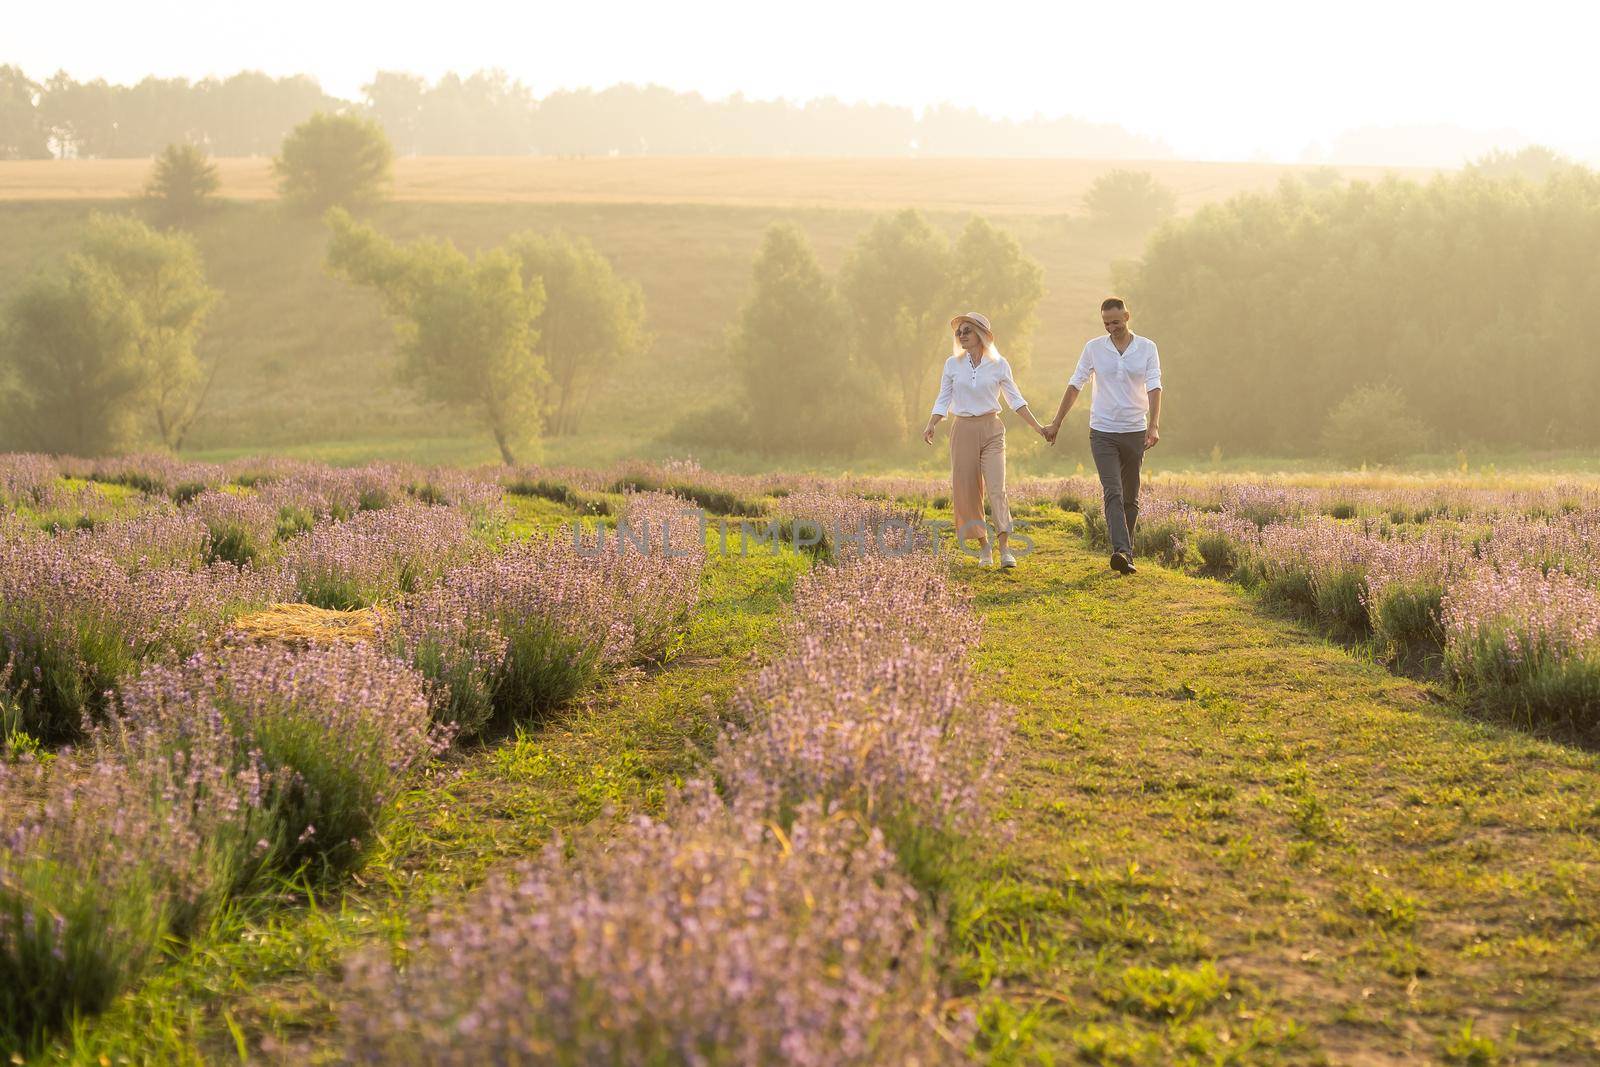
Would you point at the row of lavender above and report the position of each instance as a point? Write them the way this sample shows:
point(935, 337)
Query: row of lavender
point(771, 914)
point(1498, 587)
point(207, 766)
point(154, 574)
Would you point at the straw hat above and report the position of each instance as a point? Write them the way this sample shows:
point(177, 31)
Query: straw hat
point(980, 321)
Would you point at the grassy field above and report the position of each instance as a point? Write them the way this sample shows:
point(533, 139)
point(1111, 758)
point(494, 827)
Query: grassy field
point(1226, 840)
point(308, 360)
point(988, 186)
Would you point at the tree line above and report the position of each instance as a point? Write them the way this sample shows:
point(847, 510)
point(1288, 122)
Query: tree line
point(1460, 312)
point(487, 113)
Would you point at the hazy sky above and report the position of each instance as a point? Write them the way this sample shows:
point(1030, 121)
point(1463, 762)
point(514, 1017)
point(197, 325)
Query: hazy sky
point(1228, 79)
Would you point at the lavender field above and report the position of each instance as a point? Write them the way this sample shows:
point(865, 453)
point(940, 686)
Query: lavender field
point(650, 764)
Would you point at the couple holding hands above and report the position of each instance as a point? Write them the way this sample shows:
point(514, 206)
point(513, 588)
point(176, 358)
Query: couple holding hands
point(1124, 422)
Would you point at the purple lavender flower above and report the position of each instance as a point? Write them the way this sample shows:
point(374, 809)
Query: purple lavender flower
point(326, 736)
point(872, 706)
point(707, 937)
point(378, 555)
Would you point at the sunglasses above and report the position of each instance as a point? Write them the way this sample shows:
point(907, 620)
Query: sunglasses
point(964, 330)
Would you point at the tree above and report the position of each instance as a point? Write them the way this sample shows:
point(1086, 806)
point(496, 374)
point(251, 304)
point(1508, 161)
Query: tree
point(897, 284)
point(1274, 305)
point(22, 134)
point(250, 113)
point(80, 116)
point(790, 348)
point(396, 101)
point(593, 319)
point(181, 183)
point(155, 113)
point(1535, 163)
point(993, 275)
point(334, 161)
point(466, 327)
point(1130, 199)
point(162, 277)
point(69, 359)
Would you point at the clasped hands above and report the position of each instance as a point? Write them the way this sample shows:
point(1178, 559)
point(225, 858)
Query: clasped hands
point(1050, 430)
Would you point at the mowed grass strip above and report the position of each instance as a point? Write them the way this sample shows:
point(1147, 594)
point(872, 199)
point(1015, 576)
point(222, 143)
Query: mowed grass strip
point(1236, 842)
point(263, 984)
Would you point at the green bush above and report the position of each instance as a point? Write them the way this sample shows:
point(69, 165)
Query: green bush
point(332, 733)
point(94, 938)
point(293, 521)
point(1407, 621)
point(545, 666)
point(230, 542)
point(1341, 602)
point(1290, 588)
point(1219, 555)
point(1095, 532)
point(1131, 199)
point(182, 183)
point(185, 492)
point(1374, 424)
point(1521, 676)
point(69, 662)
point(334, 160)
point(468, 697)
point(1167, 541)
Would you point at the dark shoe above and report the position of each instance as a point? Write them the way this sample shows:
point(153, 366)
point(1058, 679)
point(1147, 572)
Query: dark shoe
point(1121, 563)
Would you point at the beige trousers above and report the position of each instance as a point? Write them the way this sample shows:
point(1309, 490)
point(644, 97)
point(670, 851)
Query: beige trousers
point(978, 463)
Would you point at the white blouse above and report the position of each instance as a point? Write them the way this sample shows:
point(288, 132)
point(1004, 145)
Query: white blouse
point(969, 390)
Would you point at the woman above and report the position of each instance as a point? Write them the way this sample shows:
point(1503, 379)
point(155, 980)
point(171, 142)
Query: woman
point(974, 377)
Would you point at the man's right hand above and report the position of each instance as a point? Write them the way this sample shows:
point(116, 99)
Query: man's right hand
point(927, 436)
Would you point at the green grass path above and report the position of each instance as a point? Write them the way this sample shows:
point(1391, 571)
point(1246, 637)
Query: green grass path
point(1234, 841)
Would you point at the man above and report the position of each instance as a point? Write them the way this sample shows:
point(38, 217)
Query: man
point(1124, 419)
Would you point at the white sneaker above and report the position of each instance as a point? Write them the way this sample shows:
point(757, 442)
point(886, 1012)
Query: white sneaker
point(1007, 560)
point(984, 557)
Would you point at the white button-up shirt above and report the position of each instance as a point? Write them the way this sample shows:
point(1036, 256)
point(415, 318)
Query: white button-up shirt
point(969, 390)
point(1122, 383)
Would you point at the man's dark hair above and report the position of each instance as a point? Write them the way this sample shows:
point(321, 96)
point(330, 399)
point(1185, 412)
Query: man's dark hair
point(1113, 303)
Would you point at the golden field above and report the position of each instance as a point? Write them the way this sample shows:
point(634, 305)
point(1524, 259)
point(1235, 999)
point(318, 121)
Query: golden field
point(990, 186)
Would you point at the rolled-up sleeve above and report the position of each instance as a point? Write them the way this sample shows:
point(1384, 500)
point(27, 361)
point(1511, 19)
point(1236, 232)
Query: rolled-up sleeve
point(1008, 386)
point(947, 391)
point(1080, 377)
point(1152, 371)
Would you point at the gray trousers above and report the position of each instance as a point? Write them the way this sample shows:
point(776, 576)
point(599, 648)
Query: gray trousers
point(1118, 456)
